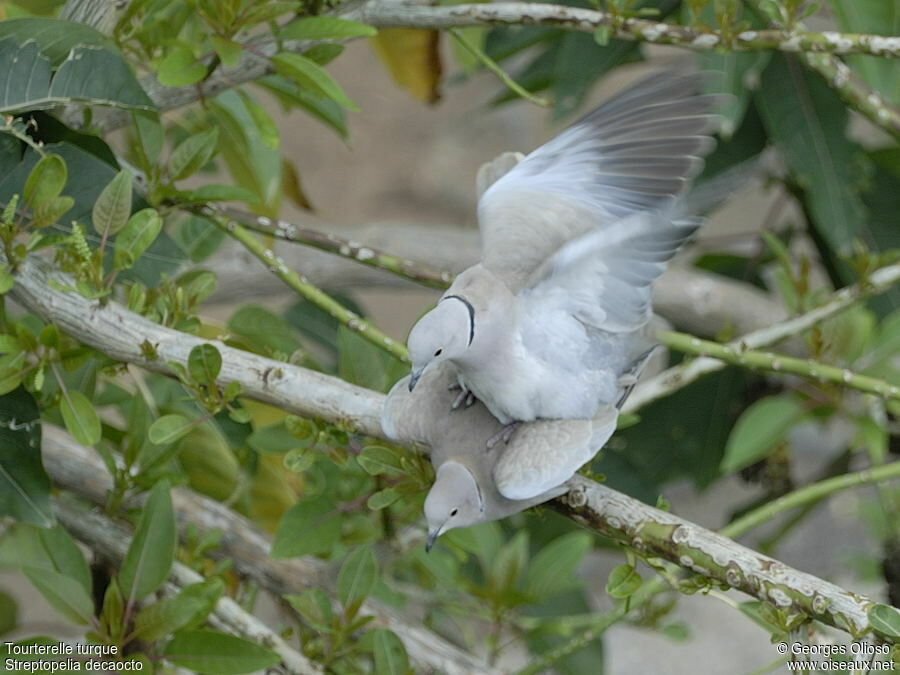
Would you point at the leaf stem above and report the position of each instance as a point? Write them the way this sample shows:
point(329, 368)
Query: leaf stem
point(739, 355)
point(495, 68)
point(809, 494)
point(303, 287)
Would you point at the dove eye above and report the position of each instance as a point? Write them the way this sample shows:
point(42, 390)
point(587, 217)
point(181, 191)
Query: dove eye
point(438, 352)
point(454, 512)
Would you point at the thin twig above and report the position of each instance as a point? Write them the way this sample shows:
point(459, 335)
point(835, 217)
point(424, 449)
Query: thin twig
point(809, 494)
point(680, 376)
point(739, 355)
point(346, 248)
point(303, 287)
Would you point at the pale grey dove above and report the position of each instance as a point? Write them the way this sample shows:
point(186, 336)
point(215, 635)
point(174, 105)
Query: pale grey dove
point(553, 321)
point(474, 485)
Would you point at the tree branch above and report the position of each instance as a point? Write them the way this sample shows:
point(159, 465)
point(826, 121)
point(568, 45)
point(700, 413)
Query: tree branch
point(110, 540)
point(658, 533)
point(680, 376)
point(697, 301)
point(396, 14)
point(383, 14)
point(79, 470)
point(778, 363)
point(301, 285)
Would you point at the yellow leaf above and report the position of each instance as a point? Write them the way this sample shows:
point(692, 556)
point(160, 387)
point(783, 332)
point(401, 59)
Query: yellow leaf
point(412, 56)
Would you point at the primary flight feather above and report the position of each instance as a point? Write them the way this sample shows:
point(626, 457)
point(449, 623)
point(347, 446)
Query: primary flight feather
point(553, 319)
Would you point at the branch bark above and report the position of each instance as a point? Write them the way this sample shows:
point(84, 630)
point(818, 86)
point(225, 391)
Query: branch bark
point(696, 301)
point(110, 540)
point(383, 14)
point(79, 470)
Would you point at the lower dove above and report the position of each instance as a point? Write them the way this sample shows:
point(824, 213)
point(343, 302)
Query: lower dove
point(473, 485)
point(553, 322)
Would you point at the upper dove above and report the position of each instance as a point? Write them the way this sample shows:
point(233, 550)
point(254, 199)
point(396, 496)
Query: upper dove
point(473, 485)
point(552, 323)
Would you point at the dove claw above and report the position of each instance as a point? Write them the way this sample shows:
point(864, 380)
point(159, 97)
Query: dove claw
point(466, 398)
point(503, 435)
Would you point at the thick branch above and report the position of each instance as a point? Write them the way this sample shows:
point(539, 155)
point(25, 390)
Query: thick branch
point(110, 540)
point(80, 470)
point(396, 14)
point(663, 534)
point(120, 334)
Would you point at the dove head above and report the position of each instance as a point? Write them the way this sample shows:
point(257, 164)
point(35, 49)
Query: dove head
point(454, 501)
point(444, 333)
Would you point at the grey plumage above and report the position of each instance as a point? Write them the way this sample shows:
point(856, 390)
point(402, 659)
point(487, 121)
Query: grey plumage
point(475, 485)
point(573, 236)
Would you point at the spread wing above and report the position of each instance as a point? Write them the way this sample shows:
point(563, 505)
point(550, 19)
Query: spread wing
point(544, 455)
point(634, 153)
point(604, 277)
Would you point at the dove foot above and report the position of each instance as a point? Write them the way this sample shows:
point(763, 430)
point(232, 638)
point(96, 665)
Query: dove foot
point(503, 435)
point(466, 398)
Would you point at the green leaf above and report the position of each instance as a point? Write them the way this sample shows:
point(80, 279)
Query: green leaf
point(382, 499)
point(357, 578)
point(80, 417)
point(206, 651)
point(24, 485)
point(310, 75)
point(376, 460)
point(46, 180)
point(325, 28)
point(319, 106)
point(360, 362)
point(113, 206)
point(55, 37)
point(299, 460)
point(28, 83)
point(180, 68)
point(390, 654)
point(193, 153)
point(274, 439)
point(314, 606)
point(204, 363)
point(229, 51)
point(807, 120)
point(308, 527)
point(168, 429)
point(7, 281)
point(149, 135)
point(263, 328)
point(64, 594)
point(761, 427)
point(113, 609)
point(51, 211)
point(552, 569)
point(139, 233)
point(266, 127)
point(623, 581)
point(885, 620)
point(509, 563)
point(9, 613)
point(187, 609)
point(152, 550)
point(199, 238)
point(220, 193)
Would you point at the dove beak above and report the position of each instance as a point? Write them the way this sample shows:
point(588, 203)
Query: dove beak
point(432, 536)
point(413, 378)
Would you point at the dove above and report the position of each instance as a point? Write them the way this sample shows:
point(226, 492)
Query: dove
point(552, 321)
point(473, 485)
